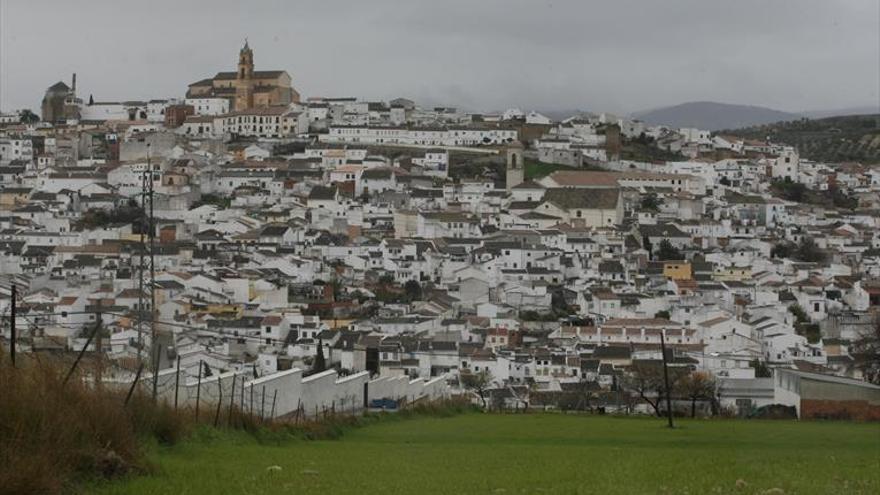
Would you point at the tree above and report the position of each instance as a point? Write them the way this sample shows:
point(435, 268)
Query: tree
point(782, 250)
point(585, 392)
point(651, 202)
point(663, 315)
point(865, 350)
point(808, 251)
point(413, 290)
point(477, 382)
point(666, 251)
point(28, 117)
point(698, 385)
point(761, 369)
point(645, 379)
point(792, 191)
point(800, 315)
point(320, 364)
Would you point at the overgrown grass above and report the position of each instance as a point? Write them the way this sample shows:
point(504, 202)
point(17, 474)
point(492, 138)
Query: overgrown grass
point(530, 453)
point(57, 435)
point(53, 434)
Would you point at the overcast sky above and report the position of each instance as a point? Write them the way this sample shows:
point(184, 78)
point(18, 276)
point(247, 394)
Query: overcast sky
point(617, 56)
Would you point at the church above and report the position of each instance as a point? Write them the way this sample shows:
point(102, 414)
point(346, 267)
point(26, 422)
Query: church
point(247, 88)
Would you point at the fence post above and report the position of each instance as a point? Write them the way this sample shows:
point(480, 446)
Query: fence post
point(274, 398)
point(232, 399)
point(263, 404)
point(158, 350)
point(79, 356)
point(176, 382)
point(219, 399)
point(198, 390)
point(137, 377)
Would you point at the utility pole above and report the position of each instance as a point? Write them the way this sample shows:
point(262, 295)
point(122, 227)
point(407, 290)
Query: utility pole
point(666, 379)
point(12, 329)
point(140, 271)
point(152, 236)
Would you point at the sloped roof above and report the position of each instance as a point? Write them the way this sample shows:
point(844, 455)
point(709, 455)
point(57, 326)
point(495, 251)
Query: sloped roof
point(570, 198)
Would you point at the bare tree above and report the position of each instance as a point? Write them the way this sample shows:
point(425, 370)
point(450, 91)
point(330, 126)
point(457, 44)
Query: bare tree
point(699, 385)
point(865, 350)
point(477, 382)
point(645, 379)
point(586, 394)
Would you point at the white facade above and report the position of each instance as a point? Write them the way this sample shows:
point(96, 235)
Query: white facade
point(419, 136)
point(209, 106)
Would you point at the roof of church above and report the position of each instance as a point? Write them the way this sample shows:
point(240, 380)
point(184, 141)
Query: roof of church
point(203, 82)
point(59, 86)
point(258, 74)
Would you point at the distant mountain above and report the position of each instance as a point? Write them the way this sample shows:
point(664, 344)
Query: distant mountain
point(713, 116)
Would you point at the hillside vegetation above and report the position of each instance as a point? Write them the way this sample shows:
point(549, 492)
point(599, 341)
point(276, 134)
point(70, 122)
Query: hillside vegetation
point(531, 453)
point(854, 138)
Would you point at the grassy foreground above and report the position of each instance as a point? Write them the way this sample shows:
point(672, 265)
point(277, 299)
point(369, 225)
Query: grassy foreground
point(536, 453)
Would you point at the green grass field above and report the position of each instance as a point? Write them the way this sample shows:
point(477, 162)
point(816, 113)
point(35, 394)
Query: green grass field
point(535, 169)
point(536, 453)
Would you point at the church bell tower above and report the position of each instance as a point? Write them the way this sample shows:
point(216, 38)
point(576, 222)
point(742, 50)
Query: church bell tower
point(244, 86)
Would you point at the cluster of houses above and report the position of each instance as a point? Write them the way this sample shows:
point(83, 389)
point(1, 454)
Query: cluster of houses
point(283, 233)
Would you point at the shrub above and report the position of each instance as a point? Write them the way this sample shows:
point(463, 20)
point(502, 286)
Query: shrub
point(53, 433)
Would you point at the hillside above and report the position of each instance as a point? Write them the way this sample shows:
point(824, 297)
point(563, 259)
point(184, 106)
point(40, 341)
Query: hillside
point(712, 115)
point(834, 139)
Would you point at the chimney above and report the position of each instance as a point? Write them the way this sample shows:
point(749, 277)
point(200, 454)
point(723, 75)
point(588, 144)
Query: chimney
point(73, 84)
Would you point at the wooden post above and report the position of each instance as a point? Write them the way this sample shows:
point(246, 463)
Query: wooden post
point(241, 398)
point(199, 389)
point(666, 379)
point(231, 399)
point(274, 398)
point(263, 403)
point(137, 377)
point(252, 398)
point(219, 399)
point(176, 382)
point(79, 357)
point(157, 349)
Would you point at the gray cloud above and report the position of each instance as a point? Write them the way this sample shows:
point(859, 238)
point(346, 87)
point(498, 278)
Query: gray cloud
point(484, 55)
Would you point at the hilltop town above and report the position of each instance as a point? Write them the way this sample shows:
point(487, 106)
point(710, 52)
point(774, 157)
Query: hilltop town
point(331, 245)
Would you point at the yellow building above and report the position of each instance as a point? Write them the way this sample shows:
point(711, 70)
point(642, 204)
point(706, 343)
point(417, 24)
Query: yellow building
point(733, 274)
point(677, 270)
point(247, 88)
point(13, 197)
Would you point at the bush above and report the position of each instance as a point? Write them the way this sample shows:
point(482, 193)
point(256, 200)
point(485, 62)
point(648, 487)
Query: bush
point(53, 434)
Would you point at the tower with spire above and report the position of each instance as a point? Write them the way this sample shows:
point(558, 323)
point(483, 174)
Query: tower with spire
point(244, 84)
